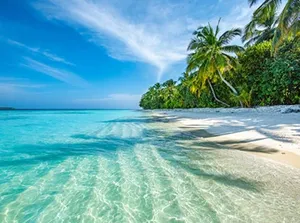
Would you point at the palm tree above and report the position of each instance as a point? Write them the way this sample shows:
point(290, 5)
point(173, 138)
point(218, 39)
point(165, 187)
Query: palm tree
point(212, 56)
point(169, 93)
point(186, 88)
point(259, 30)
point(152, 98)
point(289, 18)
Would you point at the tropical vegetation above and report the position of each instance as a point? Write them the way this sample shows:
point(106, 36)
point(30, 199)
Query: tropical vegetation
point(266, 71)
point(287, 24)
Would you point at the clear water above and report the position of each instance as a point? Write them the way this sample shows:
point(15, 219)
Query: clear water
point(127, 166)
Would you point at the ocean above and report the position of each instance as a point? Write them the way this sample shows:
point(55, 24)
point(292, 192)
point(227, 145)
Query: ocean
point(130, 166)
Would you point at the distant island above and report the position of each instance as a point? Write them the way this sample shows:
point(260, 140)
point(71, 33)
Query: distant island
point(7, 108)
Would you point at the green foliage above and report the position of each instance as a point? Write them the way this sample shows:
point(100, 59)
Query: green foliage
point(261, 79)
point(260, 76)
point(252, 64)
point(261, 29)
point(266, 73)
point(271, 80)
point(162, 96)
point(287, 25)
point(280, 82)
point(169, 95)
point(212, 58)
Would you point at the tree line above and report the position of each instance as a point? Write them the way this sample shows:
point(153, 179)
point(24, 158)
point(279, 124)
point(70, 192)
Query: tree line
point(266, 71)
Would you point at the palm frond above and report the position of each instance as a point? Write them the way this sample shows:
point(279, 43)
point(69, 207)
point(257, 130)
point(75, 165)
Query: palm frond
point(209, 58)
point(193, 44)
point(266, 6)
point(226, 37)
point(290, 15)
point(261, 28)
point(295, 28)
point(252, 2)
point(232, 49)
point(249, 29)
point(266, 35)
point(218, 27)
point(251, 41)
point(277, 39)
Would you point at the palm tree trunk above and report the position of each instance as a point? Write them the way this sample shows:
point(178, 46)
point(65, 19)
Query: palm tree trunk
point(230, 86)
point(214, 94)
point(227, 83)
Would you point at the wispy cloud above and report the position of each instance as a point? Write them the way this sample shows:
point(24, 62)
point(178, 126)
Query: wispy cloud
point(12, 79)
point(21, 85)
point(113, 97)
point(19, 44)
point(124, 101)
point(236, 17)
point(56, 58)
point(37, 50)
point(59, 74)
point(12, 85)
point(154, 32)
point(157, 43)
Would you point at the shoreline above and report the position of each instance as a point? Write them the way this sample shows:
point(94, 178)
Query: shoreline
point(268, 132)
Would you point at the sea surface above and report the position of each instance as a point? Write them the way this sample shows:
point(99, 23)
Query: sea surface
point(129, 166)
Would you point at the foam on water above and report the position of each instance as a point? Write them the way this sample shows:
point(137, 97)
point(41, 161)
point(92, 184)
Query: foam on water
point(126, 166)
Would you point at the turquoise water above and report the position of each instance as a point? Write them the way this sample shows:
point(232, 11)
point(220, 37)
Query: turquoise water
point(127, 166)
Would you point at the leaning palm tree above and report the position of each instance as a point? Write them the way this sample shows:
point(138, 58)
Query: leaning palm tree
point(212, 57)
point(261, 29)
point(289, 17)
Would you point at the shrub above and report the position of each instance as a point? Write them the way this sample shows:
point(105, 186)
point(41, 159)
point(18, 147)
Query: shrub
point(280, 82)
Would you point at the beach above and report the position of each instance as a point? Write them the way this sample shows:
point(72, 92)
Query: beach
point(137, 166)
point(269, 132)
point(150, 111)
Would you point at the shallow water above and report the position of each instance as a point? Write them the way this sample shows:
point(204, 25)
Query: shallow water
point(126, 166)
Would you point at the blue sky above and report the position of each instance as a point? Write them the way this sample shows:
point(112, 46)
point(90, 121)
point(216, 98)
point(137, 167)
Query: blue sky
point(99, 53)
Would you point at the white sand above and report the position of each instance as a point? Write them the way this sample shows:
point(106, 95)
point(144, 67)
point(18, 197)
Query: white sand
point(271, 132)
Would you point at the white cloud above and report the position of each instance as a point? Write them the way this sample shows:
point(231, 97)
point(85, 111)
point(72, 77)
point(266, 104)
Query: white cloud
point(59, 74)
point(239, 16)
point(44, 53)
point(155, 32)
point(157, 43)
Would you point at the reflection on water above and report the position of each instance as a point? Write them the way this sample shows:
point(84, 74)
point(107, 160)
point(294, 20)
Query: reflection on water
point(126, 166)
